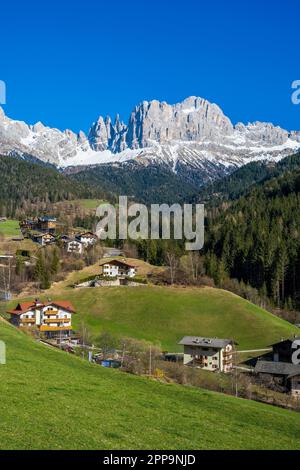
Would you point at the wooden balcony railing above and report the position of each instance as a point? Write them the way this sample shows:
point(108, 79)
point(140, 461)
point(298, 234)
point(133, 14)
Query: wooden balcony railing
point(56, 320)
point(55, 328)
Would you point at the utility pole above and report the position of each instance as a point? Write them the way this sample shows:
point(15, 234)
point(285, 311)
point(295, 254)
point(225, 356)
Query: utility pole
point(236, 375)
point(6, 278)
point(150, 361)
point(123, 354)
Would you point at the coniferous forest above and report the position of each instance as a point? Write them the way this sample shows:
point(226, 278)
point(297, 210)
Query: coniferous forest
point(257, 239)
point(252, 224)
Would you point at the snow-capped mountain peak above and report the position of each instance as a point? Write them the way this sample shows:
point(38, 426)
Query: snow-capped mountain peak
point(192, 136)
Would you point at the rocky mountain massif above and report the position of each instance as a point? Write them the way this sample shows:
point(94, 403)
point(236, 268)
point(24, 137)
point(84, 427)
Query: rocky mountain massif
point(193, 139)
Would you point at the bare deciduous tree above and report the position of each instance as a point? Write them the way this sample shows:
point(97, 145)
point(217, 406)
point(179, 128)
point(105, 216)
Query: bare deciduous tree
point(172, 263)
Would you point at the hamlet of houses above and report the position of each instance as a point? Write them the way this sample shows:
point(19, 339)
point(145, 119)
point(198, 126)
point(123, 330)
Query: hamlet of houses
point(43, 230)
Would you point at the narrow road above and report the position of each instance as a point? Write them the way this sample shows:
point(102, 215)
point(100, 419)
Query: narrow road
point(254, 350)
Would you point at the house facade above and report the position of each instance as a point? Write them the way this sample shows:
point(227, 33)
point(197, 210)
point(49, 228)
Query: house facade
point(44, 224)
point(87, 238)
point(47, 224)
point(74, 247)
point(44, 239)
point(118, 268)
point(211, 354)
point(53, 319)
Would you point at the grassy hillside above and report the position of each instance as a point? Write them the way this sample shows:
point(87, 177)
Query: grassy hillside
point(52, 400)
point(10, 228)
point(165, 314)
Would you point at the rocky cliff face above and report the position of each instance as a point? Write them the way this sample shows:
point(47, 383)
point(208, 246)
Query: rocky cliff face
point(193, 137)
point(194, 119)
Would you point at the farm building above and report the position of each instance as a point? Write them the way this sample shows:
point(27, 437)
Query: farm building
point(283, 350)
point(283, 373)
point(211, 354)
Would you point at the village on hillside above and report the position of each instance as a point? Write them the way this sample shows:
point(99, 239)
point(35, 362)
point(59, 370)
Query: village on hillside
point(43, 246)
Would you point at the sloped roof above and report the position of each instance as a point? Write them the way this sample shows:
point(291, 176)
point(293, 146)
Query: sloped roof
point(277, 368)
point(205, 342)
point(47, 219)
point(63, 304)
point(117, 262)
point(42, 235)
point(86, 234)
point(21, 308)
point(24, 307)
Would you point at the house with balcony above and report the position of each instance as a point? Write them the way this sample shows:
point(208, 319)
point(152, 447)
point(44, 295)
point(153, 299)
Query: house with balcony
point(47, 224)
point(43, 224)
point(117, 268)
point(211, 354)
point(52, 319)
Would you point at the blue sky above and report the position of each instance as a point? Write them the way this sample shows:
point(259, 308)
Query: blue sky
point(65, 63)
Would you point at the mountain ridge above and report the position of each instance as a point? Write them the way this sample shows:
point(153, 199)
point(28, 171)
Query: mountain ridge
point(194, 138)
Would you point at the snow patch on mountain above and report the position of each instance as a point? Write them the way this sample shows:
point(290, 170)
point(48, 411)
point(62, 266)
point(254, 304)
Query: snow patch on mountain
point(191, 136)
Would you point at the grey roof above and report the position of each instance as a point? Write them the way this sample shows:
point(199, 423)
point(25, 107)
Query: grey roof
point(205, 342)
point(277, 368)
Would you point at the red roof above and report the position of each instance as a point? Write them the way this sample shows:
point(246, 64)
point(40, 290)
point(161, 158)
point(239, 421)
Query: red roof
point(63, 304)
point(24, 307)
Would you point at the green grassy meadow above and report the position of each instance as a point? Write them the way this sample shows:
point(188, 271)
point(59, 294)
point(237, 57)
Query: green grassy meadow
point(10, 228)
point(90, 203)
point(163, 315)
point(52, 400)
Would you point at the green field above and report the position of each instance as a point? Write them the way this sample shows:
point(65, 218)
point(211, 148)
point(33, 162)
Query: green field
point(52, 400)
point(10, 228)
point(90, 203)
point(164, 315)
